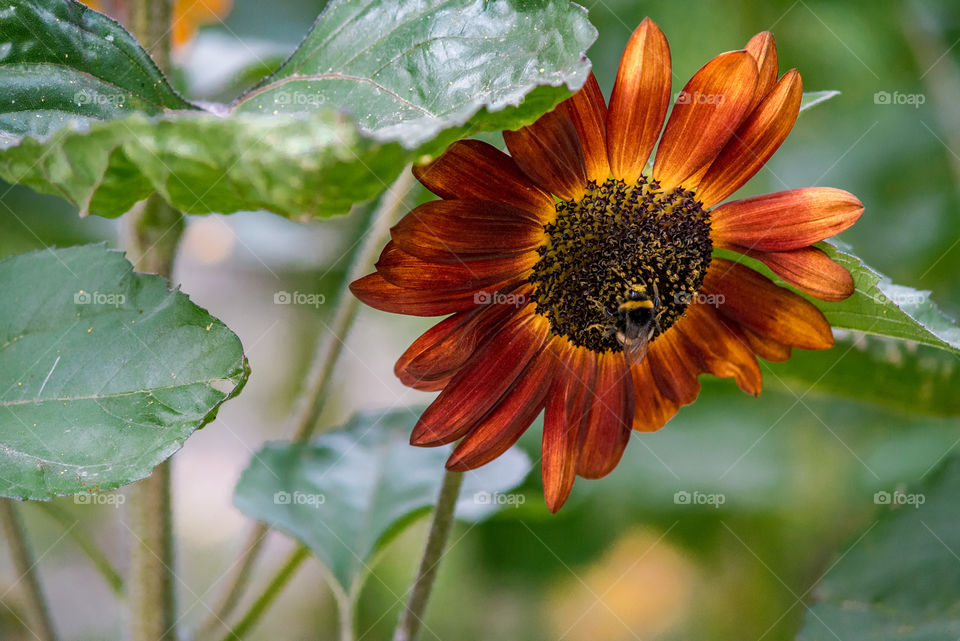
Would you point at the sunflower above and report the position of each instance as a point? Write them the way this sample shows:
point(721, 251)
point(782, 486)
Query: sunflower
point(580, 281)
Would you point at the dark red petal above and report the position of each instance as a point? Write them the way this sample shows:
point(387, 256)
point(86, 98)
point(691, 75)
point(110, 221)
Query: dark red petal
point(462, 230)
point(638, 104)
point(707, 113)
point(449, 361)
point(379, 294)
point(549, 152)
point(611, 416)
point(447, 353)
point(476, 170)
point(763, 48)
point(786, 219)
point(674, 366)
point(757, 139)
point(403, 270)
point(755, 302)
point(568, 408)
point(653, 409)
point(588, 113)
point(504, 424)
point(482, 382)
point(808, 269)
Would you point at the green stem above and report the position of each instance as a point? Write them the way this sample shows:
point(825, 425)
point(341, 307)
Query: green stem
point(321, 370)
point(86, 544)
point(39, 622)
point(273, 589)
point(412, 617)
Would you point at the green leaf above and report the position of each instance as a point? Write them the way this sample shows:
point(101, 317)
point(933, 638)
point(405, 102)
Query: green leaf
point(814, 98)
point(103, 372)
point(877, 306)
point(67, 65)
point(901, 579)
point(347, 493)
point(375, 85)
point(883, 371)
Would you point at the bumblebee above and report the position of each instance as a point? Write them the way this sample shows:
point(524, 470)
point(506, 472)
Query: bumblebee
point(635, 321)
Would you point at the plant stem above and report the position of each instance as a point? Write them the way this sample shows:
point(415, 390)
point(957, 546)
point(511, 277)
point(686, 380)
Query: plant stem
point(321, 370)
point(279, 581)
point(412, 617)
point(39, 622)
point(86, 544)
point(154, 231)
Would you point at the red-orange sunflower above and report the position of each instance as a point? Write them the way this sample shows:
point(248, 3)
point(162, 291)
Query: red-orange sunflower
point(579, 281)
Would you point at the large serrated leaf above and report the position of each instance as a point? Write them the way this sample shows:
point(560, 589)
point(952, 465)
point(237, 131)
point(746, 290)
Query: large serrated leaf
point(901, 579)
point(103, 372)
point(347, 492)
point(374, 86)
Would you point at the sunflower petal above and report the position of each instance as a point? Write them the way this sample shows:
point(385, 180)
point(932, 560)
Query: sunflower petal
point(498, 430)
point(463, 230)
point(763, 48)
point(674, 367)
point(611, 415)
point(808, 269)
point(707, 113)
point(653, 409)
point(757, 139)
point(564, 421)
point(376, 292)
point(786, 219)
point(549, 153)
point(400, 268)
point(482, 382)
point(754, 301)
point(765, 347)
point(638, 104)
point(724, 350)
point(588, 113)
point(473, 169)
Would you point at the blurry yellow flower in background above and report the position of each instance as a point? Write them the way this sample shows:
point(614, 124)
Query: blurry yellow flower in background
point(188, 15)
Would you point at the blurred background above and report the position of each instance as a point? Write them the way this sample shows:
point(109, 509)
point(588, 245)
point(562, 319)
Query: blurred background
point(796, 468)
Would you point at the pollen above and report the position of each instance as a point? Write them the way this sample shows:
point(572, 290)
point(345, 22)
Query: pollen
point(615, 239)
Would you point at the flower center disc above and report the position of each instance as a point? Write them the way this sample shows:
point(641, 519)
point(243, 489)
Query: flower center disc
point(616, 239)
